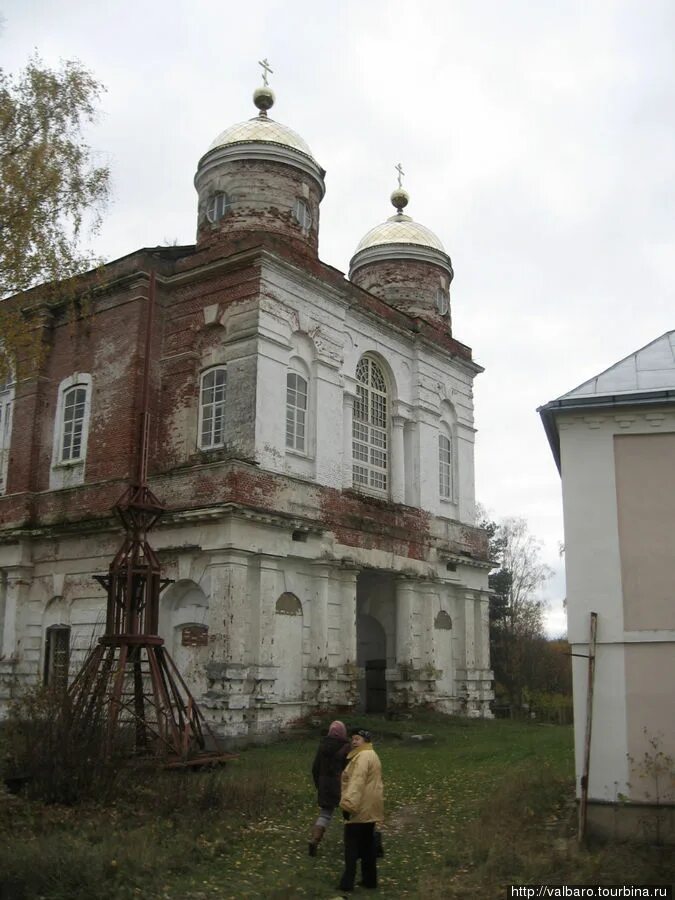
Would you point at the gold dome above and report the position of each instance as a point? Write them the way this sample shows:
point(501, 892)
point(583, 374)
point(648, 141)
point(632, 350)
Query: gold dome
point(400, 229)
point(261, 130)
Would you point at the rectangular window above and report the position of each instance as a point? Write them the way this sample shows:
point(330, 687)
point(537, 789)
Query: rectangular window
point(444, 467)
point(212, 409)
point(57, 657)
point(296, 412)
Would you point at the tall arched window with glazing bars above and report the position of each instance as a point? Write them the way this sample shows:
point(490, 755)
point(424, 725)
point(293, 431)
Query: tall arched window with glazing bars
point(445, 486)
point(74, 407)
point(296, 412)
point(212, 408)
point(370, 443)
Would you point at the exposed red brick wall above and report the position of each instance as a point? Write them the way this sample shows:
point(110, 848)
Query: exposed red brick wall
point(409, 285)
point(108, 343)
point(358, 520)
point(262, 195)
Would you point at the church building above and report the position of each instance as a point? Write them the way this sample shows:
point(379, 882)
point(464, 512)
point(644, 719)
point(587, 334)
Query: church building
point(312, 440)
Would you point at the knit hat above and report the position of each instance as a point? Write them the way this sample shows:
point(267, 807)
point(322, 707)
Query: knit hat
point(366, 735)
point(337, 730)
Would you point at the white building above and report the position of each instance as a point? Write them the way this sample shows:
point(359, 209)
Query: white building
point(312, 439)
point(613, 439)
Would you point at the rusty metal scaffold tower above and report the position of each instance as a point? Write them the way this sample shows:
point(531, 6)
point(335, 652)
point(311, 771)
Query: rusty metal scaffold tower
point(129, 687)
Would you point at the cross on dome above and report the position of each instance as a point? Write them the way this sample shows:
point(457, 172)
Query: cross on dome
point(399, 195)
point(266, 68)
point(263, 97)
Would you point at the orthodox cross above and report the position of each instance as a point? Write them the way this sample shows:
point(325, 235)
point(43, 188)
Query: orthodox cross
point(401, 173)
point(266, 68)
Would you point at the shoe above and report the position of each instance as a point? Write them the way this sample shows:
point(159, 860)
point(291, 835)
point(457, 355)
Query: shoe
point(318, 832)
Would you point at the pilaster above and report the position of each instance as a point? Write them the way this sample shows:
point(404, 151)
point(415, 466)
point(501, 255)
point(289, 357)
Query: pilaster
point(347, 428)
point(413, 680)
point(397, 459)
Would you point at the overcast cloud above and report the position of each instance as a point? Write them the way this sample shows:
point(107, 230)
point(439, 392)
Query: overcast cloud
point(537, 138)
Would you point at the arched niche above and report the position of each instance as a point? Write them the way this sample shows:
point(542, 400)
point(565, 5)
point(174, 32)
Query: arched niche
point(303, 350)
point(443, 621)
point(184, 625)
point(288, 622)
point(443, 651)
point(288, 605)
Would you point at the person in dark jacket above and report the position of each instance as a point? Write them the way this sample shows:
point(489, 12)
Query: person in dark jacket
point(330, 760)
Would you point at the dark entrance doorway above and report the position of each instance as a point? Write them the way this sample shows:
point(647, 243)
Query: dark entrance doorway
point(372, 656)
point(376, 686)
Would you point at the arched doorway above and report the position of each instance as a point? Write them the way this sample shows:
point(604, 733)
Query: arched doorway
point(372, 656)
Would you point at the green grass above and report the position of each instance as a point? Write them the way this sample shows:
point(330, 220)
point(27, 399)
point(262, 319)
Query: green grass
point(482, 805)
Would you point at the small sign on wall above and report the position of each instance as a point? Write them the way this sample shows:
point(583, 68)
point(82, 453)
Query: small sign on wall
point(195, 636)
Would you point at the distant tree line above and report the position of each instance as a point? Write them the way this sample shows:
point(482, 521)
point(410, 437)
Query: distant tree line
point(532, 672)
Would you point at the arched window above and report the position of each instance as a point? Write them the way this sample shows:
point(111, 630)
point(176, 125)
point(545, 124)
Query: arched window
point(296, 412)
point(370, 428)
point(74, 407)
point(212, 408)
point(71, 430)
point(216, 207)
point(301, 214)
point(57, 657)
point(445, 467)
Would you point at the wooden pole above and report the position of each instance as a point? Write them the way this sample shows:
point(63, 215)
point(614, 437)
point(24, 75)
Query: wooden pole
point(583, 801)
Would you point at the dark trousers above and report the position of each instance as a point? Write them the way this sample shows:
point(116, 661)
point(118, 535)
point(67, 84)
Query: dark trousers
point(359, 844)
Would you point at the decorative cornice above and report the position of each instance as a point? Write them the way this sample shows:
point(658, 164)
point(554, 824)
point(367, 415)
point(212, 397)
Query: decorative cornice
point(260, 152)
point(399, 251)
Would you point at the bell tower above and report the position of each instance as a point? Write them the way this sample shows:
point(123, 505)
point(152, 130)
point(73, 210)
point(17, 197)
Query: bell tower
point(260, 176)
point(406, 264)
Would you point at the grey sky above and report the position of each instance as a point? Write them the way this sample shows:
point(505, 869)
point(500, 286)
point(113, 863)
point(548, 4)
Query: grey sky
point(538, 141)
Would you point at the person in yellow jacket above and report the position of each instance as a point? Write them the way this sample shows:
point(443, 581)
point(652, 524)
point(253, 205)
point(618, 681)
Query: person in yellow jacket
point(362, 804)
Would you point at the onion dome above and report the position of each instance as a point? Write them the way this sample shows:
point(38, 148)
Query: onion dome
point(398, 229)
point(260, 175)
point(406, 264)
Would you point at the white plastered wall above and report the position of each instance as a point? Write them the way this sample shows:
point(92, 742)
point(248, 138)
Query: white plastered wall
point(593, 569)
point(302, 319)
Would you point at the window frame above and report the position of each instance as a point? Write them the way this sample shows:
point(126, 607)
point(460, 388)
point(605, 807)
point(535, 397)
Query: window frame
point(78, 381)
point(213, 445)
point(56, 672)
point(302, 214)
point(217, 197)
point(75, 451)
point(442, 301)
point(446, 467)
point(293, 448)
point(371, 396)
